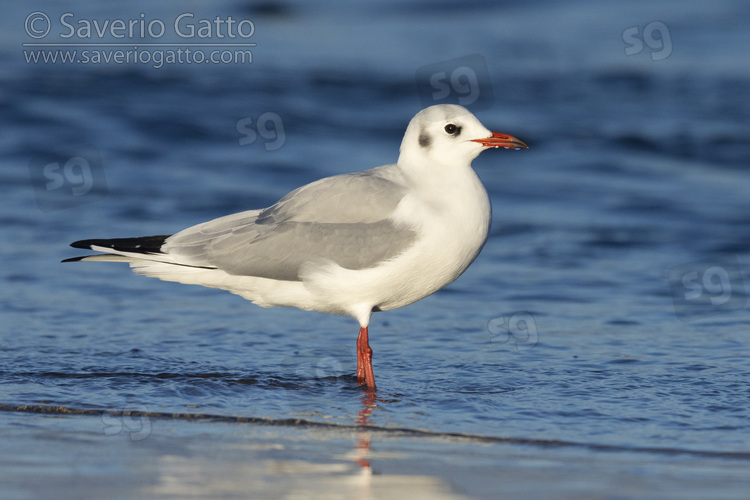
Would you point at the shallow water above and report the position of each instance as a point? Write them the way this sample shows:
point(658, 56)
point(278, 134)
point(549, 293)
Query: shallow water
point(608, 308)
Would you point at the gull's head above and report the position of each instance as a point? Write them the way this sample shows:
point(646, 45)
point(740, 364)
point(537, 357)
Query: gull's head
point(450, 135)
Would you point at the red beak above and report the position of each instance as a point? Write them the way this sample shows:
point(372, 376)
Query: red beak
point(498, 140)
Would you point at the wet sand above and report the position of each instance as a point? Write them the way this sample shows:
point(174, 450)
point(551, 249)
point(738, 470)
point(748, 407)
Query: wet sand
point(113, 455)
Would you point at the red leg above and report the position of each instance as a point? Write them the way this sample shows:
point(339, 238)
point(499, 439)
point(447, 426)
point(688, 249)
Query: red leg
point(364, 360)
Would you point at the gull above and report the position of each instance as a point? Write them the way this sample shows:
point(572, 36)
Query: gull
point(350, 244)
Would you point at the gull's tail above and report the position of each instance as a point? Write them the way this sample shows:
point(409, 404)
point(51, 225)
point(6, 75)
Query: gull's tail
point(146, 258)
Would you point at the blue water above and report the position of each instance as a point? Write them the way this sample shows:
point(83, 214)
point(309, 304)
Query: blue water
point(608, 307)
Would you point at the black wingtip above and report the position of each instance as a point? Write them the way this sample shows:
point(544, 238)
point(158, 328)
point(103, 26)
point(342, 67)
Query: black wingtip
point(73, 259)
point(83, 244)
point(143, 244)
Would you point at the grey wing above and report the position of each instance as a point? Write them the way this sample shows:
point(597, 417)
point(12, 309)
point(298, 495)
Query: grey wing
point(344, 219)
point(367, 196)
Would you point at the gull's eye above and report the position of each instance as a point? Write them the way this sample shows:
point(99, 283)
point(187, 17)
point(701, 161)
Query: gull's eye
point(452, 129)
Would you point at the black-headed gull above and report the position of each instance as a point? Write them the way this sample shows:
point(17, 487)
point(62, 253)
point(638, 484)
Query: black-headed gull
point(350, 244)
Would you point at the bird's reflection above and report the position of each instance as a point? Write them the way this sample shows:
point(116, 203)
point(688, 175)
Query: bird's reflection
point(369, 402)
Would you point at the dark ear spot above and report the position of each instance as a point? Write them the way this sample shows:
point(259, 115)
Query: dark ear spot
point(425, 140)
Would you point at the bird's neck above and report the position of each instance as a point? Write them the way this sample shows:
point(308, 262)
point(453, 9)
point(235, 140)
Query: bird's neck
point(437, 177)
